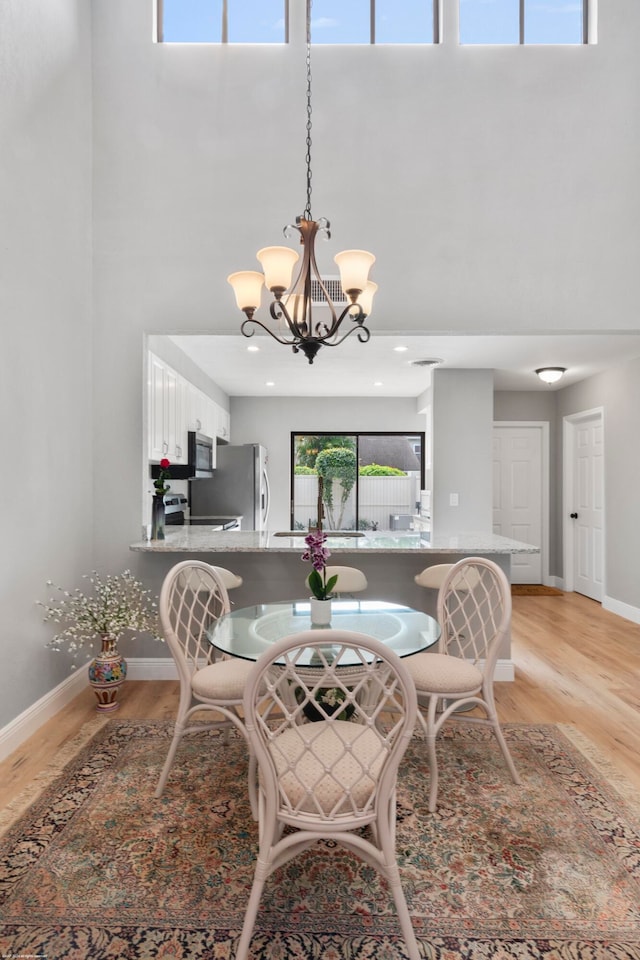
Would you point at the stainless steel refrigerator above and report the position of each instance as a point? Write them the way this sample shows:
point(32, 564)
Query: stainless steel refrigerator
point(239, 486)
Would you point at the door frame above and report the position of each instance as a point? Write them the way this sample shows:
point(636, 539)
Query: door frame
point(570, 424)
point(543, 427)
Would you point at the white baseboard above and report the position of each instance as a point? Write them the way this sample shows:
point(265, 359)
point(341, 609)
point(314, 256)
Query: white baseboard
point(151, 668)
point(139, 668)
point(26, 724)
point(504, 671)
point(621, 609)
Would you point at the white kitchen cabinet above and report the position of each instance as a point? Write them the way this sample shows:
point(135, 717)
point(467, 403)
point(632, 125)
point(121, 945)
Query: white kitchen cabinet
point(158, 442)
point(167, 426)
point(201, 415)
point(223, 424)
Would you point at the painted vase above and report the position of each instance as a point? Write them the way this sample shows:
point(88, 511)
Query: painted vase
point(157, 518)
point(107, 673)
point(320, 612)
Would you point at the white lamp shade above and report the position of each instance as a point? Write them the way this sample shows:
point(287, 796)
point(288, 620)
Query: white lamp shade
point(354, 266)
point(551, 374)
point(277, 263)
point(247, 286)
point(365, 299)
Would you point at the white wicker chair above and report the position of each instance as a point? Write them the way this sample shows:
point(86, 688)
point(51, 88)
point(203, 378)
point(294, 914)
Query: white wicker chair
point(231, 580)
point(192, 598)
point(432, 577)
point(330, 778)
point(350, 579)
point(474, 613)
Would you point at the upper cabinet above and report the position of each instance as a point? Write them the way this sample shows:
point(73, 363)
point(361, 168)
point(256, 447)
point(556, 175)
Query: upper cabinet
point(223, 424)
point(165, 413)
point(176, 406)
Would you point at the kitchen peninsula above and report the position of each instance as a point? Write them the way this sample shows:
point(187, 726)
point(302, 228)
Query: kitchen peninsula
point(271, 567)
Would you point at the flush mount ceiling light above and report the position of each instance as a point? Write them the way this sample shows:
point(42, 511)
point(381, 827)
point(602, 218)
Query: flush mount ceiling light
point(551, 374)
point(292, 304)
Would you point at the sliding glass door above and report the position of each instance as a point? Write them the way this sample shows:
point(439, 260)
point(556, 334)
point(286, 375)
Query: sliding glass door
point(355, 481)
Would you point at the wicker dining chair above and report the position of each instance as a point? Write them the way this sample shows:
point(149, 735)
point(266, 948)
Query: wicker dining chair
point(474, 613)
point(330, 777)
point(192, 599)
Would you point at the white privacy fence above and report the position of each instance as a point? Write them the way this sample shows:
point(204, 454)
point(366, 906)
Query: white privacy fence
point(380, 498)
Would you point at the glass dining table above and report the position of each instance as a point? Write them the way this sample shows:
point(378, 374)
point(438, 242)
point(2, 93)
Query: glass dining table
point(249, 631)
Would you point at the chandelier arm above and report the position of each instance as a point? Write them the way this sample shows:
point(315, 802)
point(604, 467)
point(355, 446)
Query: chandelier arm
point(363, 333)
point(298, 329)
point(244, 330)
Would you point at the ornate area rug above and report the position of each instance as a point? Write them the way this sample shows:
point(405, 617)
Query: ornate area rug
point(97, 869)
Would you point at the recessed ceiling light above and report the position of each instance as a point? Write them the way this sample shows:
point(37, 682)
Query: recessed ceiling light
point(378, 383)
point(253, 349)
point(269, 383)
point(400, 349)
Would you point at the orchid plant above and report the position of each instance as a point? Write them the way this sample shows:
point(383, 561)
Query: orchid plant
point(318, 554)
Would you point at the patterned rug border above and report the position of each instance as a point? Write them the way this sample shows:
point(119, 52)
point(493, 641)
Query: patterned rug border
point(64, 755)
point(607, 770)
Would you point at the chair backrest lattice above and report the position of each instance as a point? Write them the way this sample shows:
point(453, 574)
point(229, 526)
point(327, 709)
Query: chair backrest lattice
point(192, 599)
point(329, 733)
point(474, 610)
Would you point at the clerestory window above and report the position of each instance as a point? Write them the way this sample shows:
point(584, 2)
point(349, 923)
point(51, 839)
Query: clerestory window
point(267, 21)
point(524, 22)
point(375, 21)
point(222, 21)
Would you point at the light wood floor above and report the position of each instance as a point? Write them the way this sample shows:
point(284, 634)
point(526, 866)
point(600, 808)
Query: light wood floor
point(575, 663)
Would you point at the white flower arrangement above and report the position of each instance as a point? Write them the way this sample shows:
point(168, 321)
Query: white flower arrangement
point(117, 604)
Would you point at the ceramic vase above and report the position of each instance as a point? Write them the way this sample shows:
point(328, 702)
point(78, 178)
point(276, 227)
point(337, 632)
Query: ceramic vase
point(320, 612)
point(107, 673)
point(157, 518)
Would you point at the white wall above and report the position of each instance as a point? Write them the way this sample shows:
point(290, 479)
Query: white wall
point(46, 416)
point(271, 421)
point(462, 424)
point(618, 392)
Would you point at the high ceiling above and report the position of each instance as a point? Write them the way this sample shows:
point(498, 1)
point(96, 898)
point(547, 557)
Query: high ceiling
point(379, 368)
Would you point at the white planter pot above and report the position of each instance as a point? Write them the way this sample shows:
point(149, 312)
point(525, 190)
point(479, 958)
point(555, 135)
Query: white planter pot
point(320, 612)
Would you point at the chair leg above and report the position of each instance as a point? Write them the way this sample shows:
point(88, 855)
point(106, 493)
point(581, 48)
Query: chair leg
point(431, 752)
point(253, 784)
point(168, 763)
point(242, 951)
point(515, 776)
point(393, 877)
point(492, 715)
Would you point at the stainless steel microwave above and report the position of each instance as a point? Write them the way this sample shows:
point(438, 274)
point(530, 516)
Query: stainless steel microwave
point(200, 454)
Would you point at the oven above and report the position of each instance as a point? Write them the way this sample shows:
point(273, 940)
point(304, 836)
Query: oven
point(174, 506)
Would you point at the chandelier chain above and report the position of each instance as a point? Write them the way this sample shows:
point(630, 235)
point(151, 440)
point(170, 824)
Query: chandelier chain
point(307, 210)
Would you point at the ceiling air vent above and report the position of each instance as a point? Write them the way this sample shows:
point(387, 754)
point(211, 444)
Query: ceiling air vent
point(333, 288)
point(431, 362)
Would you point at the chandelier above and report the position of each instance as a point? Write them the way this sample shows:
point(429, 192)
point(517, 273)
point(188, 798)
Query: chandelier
point(292, 305)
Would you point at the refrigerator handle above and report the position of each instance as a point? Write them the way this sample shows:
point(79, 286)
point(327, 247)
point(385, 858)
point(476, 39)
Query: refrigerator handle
point(265, 505)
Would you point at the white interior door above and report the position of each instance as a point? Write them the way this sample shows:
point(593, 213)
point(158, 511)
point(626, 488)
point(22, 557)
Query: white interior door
point(588, 506)
point(518, 487)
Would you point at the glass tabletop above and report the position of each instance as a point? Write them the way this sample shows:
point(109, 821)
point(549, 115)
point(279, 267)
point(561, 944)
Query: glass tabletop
point(248, 632)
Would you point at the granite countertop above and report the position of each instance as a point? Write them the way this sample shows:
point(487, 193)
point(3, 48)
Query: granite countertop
point(201, 539)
